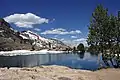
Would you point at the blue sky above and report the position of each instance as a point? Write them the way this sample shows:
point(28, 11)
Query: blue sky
point(66, 20)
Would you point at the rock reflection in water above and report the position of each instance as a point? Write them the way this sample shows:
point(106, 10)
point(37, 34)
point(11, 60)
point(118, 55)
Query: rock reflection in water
point(29, 60)
point(73, 60)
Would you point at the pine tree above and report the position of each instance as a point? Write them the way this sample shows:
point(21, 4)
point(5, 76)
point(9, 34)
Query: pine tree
point(81, 47)
point(98, 28)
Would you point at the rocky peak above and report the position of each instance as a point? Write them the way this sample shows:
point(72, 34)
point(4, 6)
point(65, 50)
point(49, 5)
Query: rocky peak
point(4, 24)
point(9, 39)
point(5, 29)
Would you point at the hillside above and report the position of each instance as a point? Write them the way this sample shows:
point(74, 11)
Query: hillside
point(25, 40)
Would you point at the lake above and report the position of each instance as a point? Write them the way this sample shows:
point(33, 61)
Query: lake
point(84, 61)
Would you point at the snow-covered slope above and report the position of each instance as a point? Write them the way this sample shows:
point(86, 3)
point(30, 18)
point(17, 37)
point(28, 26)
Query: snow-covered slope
point(42, 42)
point(31, 35)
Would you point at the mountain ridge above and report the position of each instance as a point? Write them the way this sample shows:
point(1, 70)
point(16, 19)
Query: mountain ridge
point(26, 40)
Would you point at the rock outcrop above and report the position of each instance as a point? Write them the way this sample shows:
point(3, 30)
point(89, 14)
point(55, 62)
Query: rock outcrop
point(10, 39)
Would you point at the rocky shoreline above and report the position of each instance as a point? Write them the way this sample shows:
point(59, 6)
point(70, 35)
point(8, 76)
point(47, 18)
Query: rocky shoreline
point(57, 73)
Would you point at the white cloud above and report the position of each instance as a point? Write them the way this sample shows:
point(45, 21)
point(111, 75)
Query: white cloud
point(37, 29)
point(74, 42)
point(61, 31)
point(73, 36)
point(81, 40)
point(25, 20)
point(69, 42)
point(52, 20)
point(62, 39)
point(56, 36)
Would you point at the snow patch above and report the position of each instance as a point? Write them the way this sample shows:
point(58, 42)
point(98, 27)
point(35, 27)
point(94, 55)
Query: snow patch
point(27, 52)
point(33, 35)
point(1, 31)
point(23, 36)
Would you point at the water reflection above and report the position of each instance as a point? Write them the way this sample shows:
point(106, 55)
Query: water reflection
point(77, 60)
point(29, 60)
point(94, 54)
point(81, 55)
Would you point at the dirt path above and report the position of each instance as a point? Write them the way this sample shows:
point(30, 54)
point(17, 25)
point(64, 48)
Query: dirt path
point(57, 73)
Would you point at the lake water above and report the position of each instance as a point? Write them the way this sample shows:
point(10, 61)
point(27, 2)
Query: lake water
point(85, 60)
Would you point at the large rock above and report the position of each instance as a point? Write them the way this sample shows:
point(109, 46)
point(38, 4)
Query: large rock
point(9, 39)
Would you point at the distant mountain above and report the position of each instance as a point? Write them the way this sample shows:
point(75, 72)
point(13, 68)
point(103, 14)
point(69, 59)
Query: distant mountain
point(28, 40)
point(42, 43)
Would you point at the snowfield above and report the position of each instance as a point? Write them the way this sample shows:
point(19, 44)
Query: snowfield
point(33, 36)
point(27, 52)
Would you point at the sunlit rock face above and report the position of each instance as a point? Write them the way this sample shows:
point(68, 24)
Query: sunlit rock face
point(10, 39)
